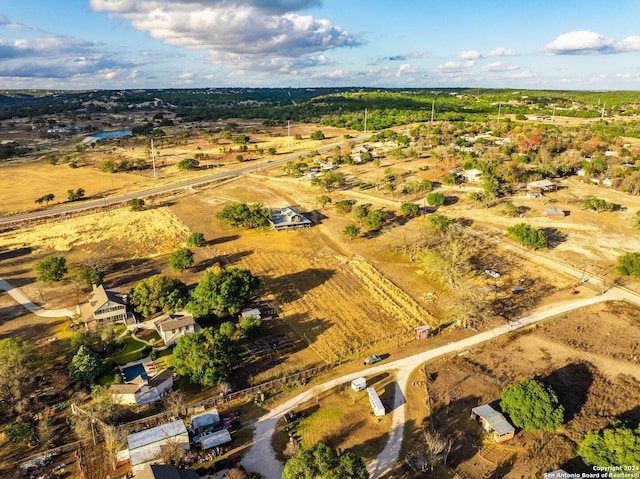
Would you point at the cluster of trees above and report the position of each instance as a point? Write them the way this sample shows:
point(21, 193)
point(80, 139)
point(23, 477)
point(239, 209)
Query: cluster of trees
point(532, 406)
point(323, 462)
point(75, 195)
point(527, 235)
point(328, 180)
point(206, 357)
point(112, 166)
point(50, 269)
point(188, 164)
point(317, 135)
point(48, 198)
point(597, 204)
point(629, 265)
point(616, 445)
point(157, 294)
point(294, 168)
point(240, 214)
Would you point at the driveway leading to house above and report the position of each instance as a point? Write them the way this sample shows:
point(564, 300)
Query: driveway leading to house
point(23, 301)
point(261, 456)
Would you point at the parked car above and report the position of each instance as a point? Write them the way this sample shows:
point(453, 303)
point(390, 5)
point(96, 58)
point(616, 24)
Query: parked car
point(372, 360)
point(492, 273)
point(517, 289)
point(219, 466)
point(291, 416)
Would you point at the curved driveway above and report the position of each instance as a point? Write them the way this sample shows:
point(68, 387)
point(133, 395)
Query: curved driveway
point(23, 301)
point(261, 456)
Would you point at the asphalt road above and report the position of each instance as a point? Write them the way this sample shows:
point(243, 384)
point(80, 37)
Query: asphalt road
point(79, 206)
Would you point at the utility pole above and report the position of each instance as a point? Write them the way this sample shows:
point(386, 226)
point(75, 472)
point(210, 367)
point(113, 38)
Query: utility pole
point(153, 158)
point(604, 105)
point(499, 108)
point(289, 135)
point(365, 121)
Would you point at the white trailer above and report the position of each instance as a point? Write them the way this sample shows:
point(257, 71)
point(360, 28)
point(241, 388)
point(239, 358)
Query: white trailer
point(376, 403)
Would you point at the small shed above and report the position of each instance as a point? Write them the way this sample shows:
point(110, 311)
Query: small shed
point(422, 332)
point(359, 384)
point(553, 213)
point(214, 439)
point(542, 185)
point(204, 421)
point(376, 403)
point(493, 422)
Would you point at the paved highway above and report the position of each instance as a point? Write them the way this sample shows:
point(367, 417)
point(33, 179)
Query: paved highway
point(77, 207)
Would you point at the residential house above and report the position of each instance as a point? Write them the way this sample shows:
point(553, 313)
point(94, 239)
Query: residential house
point(493, 422)
point(542, 185)
point(146, 447)
point(288, 218)
point(103, 307)
point(473, 175)
point(142, 390)
point(168, 471)
point(170, 327)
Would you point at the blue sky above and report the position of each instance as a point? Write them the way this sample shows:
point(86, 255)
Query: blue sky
point(87, 44)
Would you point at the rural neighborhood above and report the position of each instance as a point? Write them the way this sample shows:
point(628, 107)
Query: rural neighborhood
point(353, 283)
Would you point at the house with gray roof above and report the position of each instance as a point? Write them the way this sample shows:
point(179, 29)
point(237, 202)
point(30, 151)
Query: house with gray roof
point(170, 327)
point(288, 218)
point(493, 422)
point(103, 307)
point(142, 390)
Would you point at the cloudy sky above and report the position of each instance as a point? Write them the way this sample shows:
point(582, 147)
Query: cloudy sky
point(559, 44)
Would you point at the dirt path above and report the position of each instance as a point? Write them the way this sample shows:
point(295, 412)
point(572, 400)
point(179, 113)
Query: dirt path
point(22, 300)
point(261, 456)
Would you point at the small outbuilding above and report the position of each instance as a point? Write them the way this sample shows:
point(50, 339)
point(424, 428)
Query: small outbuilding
point(214, 439)
point(376, 402)
point(542, 185)
point(422, 332)
point(359, 384)
point(204, 421)
point(493, 422)
point(553, 213)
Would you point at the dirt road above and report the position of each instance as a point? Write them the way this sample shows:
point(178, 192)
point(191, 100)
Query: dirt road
point(261, 456)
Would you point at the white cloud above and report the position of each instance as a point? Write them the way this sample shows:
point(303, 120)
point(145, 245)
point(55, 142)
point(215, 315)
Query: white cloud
point(501, 52)
point(469, 55)
point(406, 68)
point(499, 67)
point(517, 75)
point(259, 32)
point(585, 42)
point(455, 66)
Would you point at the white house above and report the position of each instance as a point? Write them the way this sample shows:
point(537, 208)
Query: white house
point(145, 447)
point(473, 175)
point(358, 384)
point(170, 327)
point(141, 390)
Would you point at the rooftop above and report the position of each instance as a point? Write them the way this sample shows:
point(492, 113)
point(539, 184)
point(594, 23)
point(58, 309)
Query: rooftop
point(494, 418)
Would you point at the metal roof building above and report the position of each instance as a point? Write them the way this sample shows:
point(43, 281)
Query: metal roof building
point(494, 422)
point(146, 446)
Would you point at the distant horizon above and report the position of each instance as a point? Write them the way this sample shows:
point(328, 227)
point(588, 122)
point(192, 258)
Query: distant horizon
point(573, 45)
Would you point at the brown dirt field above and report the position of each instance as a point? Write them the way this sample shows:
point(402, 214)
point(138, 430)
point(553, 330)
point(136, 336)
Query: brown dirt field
point(591, 359)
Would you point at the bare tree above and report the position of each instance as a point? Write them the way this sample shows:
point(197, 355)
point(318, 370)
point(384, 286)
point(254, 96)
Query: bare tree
point(114, 441)
point(175, 402)
point(237, 473)
point(292, 448)
point(432, 450)
point(225, 388)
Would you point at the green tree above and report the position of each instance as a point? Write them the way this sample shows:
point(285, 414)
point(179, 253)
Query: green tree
point(527, 235)
point(322, 462)
point(532, 406)
point(617, 445)
point(351, 231)
point(629, 265)
point(241, 139)
point(157, 293)
point(435, 199)
point(410, 210)
point(317, 135)
point(509, 209)
point(294, 168)
point(240, 214)
point(360, 212)
point(439, 222)
point(328, 180)
point(227, 328)
point(206, 357)
point(222, 293)
point(195, 239)
point(323, 200)
point(89, 276)
point(272, 151)
point(46, 199)
point(85, 366)
point(136, 204)
point(75, 195)
point(452, 179)
point(375, 220)
point(181, 259)
point(50, 269)
point(344, 206)
point(188, 164)
point(250, 325)
point(597, 204)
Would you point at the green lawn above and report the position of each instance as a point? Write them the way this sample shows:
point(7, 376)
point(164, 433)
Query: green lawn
point(131, 352)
